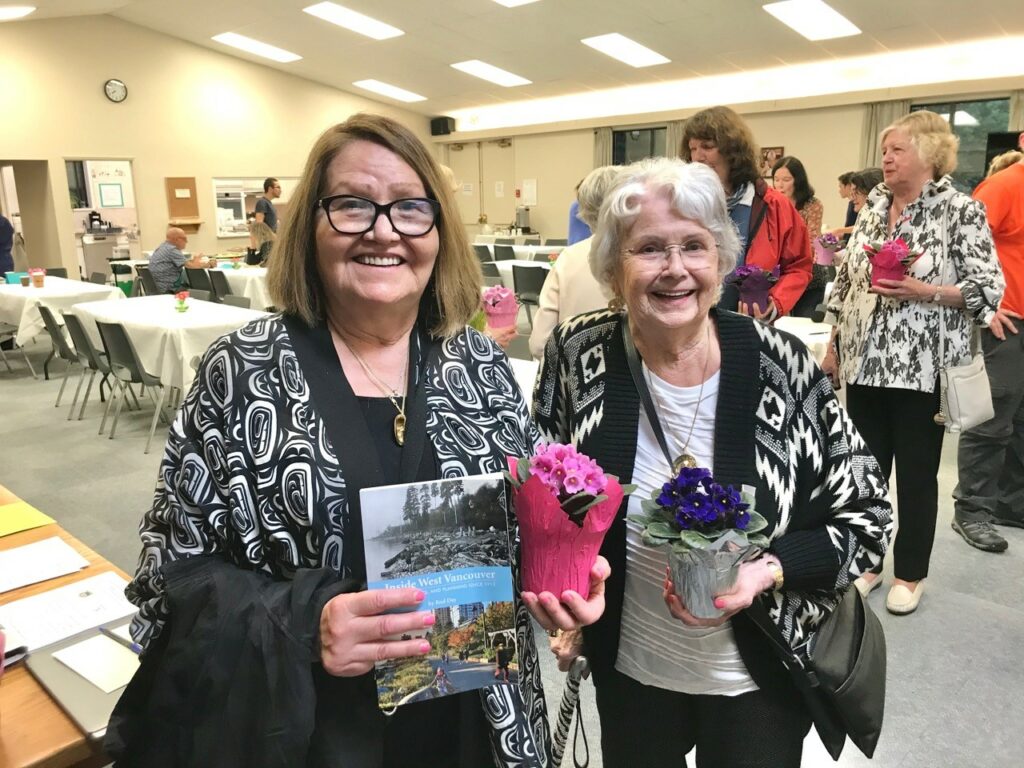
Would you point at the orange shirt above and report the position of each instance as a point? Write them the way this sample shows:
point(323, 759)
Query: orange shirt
point(1003, 196)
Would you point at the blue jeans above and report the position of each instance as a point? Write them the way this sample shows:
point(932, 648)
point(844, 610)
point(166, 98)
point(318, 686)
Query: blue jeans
point(990, 457)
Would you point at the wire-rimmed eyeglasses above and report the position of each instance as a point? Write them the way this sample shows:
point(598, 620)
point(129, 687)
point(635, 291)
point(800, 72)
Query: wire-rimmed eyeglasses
point(694, 254)
point(353, 215)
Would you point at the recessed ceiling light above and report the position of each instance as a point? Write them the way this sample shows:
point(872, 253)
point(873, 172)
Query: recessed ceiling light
point(813, 19)
point(486, 71)
point(256, 47)
point(625, 50)
point(354, 21)
point(391, 91)
point(514, 3)
point(9, 12)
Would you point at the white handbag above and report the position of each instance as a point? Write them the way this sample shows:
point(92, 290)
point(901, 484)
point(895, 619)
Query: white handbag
point(965, 397)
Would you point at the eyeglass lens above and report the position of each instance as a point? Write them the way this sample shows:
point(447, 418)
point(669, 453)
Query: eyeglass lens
point(354, 215)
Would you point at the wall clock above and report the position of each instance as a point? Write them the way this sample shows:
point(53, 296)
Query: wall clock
point(115, 90)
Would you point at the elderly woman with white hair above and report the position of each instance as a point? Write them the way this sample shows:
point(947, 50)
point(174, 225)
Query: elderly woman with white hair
point(886, 342)
point(743, 400)
point(570, 288)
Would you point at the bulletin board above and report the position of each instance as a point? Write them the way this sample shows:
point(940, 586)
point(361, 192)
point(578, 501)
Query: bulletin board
point(182, 202)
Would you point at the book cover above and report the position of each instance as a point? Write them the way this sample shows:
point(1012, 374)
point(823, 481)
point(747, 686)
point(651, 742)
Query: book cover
point(448, 538)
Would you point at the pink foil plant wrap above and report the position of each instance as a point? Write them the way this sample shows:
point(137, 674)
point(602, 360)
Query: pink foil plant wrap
point(889, 261)
point(559, 547)
point(500, 305)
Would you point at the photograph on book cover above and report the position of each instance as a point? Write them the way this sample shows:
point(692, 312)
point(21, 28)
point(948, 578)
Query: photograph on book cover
point(448, 538)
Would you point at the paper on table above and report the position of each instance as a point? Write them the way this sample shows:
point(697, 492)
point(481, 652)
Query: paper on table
point(39, 561)
point(21, 516)
point(103, 662)
point(65, 611)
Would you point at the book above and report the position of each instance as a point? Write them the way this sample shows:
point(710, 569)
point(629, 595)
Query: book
point(448, 538)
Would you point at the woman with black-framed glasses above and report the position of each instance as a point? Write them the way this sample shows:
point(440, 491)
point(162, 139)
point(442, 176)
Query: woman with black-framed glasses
point(369, 376)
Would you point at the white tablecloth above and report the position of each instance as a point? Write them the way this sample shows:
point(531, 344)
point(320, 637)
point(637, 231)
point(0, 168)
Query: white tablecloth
point(505, 269)
point(814, 335)
point(18, 305)
point(532, 252)
point(250, 282)
point(165, 339)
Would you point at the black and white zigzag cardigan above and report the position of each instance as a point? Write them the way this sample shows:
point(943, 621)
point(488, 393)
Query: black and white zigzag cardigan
point(778, 427)
point(248, 463)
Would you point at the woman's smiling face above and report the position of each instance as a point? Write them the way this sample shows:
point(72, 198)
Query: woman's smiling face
point(668, 273)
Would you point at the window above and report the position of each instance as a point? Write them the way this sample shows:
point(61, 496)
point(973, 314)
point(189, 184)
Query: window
point(78, 184)
point(972, 122)
point(630, 146)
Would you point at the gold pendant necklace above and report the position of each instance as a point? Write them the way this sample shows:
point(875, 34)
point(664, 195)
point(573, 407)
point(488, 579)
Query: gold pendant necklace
point(685, 459)
point(398, 427)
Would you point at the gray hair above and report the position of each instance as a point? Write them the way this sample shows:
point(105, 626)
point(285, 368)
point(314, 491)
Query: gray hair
point(696, 193)
point(592, 190)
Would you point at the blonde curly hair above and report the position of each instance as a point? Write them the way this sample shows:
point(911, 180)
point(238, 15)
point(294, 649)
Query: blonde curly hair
point(931, 136)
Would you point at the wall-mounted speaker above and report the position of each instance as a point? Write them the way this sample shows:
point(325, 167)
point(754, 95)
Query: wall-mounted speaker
point(442, 126)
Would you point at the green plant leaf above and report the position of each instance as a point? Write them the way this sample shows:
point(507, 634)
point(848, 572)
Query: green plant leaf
point(523, 470)
point(757, 522)
point(694, 540)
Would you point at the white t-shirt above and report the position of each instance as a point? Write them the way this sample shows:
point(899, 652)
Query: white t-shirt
point(654, 647)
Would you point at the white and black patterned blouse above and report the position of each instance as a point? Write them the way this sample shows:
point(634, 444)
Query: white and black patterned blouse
point(250, 473)
point(885, 342)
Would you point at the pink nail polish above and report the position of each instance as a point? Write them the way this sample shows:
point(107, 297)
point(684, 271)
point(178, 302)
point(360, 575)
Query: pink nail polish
point(428, 620)
point(719, 604)
point(420, 594)
point(424, 647)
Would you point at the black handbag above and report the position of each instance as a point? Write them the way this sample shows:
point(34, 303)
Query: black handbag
point(843, 682)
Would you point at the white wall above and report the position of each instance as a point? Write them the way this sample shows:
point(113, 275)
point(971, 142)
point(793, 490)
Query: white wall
point(190, 112)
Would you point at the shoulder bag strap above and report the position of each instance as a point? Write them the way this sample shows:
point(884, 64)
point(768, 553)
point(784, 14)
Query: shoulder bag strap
point(942, 281)
point(636, 369)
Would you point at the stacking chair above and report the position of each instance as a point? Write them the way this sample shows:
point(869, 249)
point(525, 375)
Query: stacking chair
point(556, 241)
point(504, 241)
point(60, 349)
point(528, 282)
point(99, 278)
point(197, 278)
point(7, 333)
point(531, 241)
point(483, 252)
point(56, 272)
point(490, 281)
point(127, 370)
point(490, 269)
point(92, 360)
point(201, 295)
point(148, 281)
point(219, 282)
point(504, 253)
point(238, 301)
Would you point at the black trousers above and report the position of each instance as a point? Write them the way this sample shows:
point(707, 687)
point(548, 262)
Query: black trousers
point(654, 728)
point(899, 426)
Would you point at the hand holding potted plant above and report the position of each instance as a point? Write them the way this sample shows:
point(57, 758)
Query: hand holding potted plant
point(825, 248)
point(500, 306)
point(711, 530)
point(564, 503)
point(753, 283)
point(889, 261)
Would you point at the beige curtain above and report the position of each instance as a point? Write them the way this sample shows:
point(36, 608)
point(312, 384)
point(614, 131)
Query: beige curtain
point(880, 115)
point(1016, 111)
point(602, 147)
point(674, 137)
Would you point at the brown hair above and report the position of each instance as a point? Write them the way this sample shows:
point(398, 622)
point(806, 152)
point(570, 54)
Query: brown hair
point(932, 137)
point(452, 295)
point(733, 138)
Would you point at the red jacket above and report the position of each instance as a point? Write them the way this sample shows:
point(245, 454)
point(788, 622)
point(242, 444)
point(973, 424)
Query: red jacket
point(778, 238)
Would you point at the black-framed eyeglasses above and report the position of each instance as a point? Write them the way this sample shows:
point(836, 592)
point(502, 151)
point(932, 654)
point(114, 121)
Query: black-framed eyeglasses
point(353, 215)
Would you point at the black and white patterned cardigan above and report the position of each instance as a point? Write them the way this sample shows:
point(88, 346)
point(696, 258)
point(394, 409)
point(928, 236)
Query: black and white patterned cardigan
point(248, 461)
point(885, 342)
point(778, 427)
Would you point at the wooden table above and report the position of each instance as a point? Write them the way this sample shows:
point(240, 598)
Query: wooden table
point(34, 731)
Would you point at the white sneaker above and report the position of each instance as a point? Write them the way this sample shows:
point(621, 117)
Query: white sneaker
point(902, 600)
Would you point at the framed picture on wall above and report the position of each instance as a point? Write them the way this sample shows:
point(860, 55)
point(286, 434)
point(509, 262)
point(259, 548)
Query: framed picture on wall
point(769, 156)
point(111, 196)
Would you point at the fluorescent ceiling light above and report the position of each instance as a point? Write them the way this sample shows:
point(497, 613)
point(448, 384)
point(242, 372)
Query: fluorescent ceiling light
point(514, 3)
point(391, 91)
point(265, 50)
point(485, 71)
point(960, 118)
point(351, 20)
point(625, 50)
point(813, 19)
point(961, 62)
point(9, 12)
